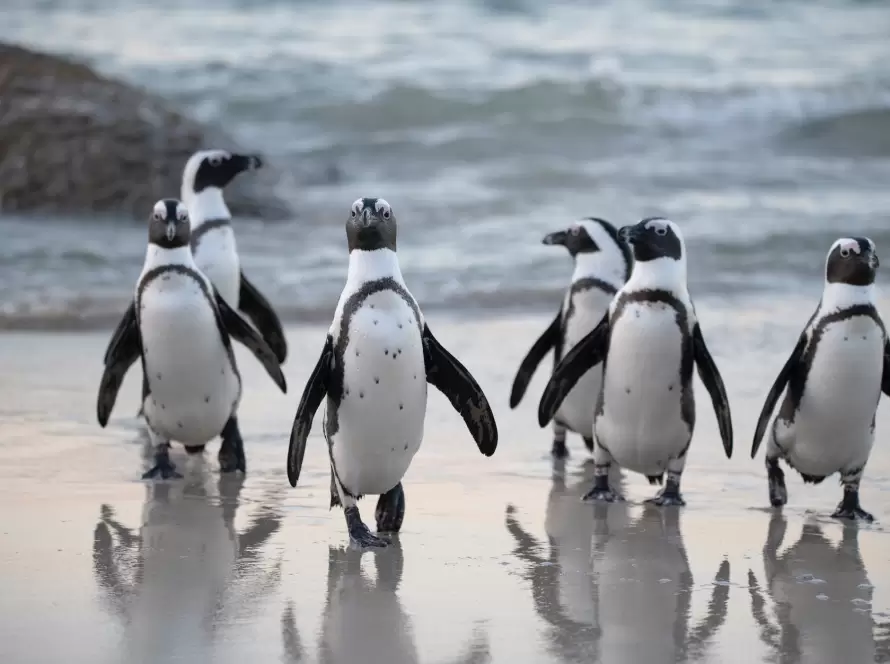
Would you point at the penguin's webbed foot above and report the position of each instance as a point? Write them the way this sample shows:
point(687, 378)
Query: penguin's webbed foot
point(360, 535)
point(390, 511)
point(163, 466)
point(849, 507)
point(601, 491)
point(667, 498)
point(778, 494)
point(231, 452)
point(559, 450)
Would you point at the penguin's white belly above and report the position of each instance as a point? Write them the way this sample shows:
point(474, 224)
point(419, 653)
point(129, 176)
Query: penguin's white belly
point(194, 387)
point(217, 257)
point(832, 428)
point(641, 423)
point(381, 415)
point(576, 410)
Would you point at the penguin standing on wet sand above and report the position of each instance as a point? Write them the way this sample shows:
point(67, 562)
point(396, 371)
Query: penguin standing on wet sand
point(648, 342)
point(181, 329)
point(835, 376)
point(213, 245)
point(377, 359)
point(602, 265)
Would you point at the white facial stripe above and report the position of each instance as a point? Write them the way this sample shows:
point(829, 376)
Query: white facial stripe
point(848, 245)
point(357, 206)
point(657, 223)
point(382, 205)
point(182, 212)
point(160, 210)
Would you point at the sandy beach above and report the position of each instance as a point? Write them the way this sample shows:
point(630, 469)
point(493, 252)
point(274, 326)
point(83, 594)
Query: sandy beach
point(498, 560)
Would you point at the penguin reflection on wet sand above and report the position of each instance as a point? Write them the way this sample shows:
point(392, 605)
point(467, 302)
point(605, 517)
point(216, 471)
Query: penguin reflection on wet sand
point(365, 621)
point(602, 266)
point(182, 576)
point(648, 341)
point(834, 378)
point(377, 359)
point(638, 588)
point(181, 330)
point(821, 597)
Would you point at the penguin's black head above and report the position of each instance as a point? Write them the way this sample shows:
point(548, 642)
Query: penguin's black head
point(576, 239)
point(215, 168)
point(853, 261)
point(653, 238)
point(168, 225)
point(371, 225)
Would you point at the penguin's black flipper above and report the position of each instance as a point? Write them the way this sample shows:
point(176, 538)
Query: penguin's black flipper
point(885, 378)
point(257, 308)
point(125, 348)
point(241, 331)
point(713, 382)
point(318, 385)
point(549, 339)
point(791, 364)
point(121, 330)
point(585, 355)
point(451, 378)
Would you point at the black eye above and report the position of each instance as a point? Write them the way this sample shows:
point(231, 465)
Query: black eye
point(353, 213)
point(661, 231)
point(386, 214)
point(215, 160)
point(845, 252)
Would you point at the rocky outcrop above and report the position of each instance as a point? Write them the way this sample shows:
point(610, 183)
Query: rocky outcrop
point(75, 143)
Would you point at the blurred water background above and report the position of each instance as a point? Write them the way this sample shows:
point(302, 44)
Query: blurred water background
point(761, 127)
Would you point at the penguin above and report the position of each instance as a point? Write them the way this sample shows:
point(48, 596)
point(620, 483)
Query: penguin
point(181, 329)
point(648, 342)
point(602, 265)
point(821, 595)
point(377, 359)
point(212, 240)
point(834, 379)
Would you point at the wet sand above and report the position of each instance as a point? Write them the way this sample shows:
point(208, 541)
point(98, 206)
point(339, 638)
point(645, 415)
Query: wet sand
point(498, 560)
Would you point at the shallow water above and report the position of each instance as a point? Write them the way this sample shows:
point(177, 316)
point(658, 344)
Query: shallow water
point(760, 127)
point(498, 560)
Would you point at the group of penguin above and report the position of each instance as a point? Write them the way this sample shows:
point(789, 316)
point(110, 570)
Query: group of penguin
point(624, 341)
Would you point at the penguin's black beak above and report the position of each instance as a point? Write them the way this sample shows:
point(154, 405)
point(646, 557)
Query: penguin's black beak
point(629, 234)
point(558, 237)
point(171, 230)
point(247, 162)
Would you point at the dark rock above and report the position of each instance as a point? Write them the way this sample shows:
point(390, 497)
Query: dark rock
point(74, 142)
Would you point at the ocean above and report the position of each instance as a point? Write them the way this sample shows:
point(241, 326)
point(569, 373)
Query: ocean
point(761, 128)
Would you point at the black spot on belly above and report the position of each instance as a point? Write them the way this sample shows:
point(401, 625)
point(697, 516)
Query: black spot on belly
point(845, 339)
point(346, 391)
point(406, 446)
point(159, 376)
point(372, 306)
point(400, 326)
point(392, 449)
point(401, 406)
point(361, 395)
point(376, 380)
point(864, 338)
point(670, 388)
point(375, 322)
point(386, 351)
point(206, 399)
point(415, 376)
point(627, 389)
point(179, 424)
point(163, 407)
point(356, 352)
